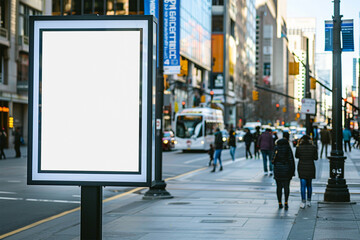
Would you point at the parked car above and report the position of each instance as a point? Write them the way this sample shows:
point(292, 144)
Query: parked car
point(168, 141)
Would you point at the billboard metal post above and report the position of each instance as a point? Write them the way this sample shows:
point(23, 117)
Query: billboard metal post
point(91, 212)
point(336, 189)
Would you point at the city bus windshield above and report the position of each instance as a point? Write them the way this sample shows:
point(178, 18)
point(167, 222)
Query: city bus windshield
point(189, 126)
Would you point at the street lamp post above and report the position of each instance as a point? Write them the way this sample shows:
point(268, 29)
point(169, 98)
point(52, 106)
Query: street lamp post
point(158, 191)
point(336, 189)
point(307, 87)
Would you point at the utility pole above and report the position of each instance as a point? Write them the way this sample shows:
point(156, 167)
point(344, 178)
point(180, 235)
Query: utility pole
point(307, 88)
point(158, 191)
point(336, 189)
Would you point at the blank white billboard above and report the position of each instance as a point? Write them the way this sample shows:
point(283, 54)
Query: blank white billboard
point(89, 100)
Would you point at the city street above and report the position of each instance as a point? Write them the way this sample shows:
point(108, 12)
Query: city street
point(237, 203)
point(22, 204)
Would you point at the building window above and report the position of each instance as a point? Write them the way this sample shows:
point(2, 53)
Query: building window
point(23, 66)
point(2, 65)
point(24, 13)
point(218, 2)
point(2, 14)
point(101, 7)
point(217, 23)
point(232, 28)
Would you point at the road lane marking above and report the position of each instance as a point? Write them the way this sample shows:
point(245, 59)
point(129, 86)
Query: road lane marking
point(38, 223)
point(1, 192)
point(9, 198)
point(49, 200)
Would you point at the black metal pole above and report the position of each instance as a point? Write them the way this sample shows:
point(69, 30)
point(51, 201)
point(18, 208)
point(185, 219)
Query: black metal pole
point(336, 189)
point(307, 87)
point(91, 213)
point(158, 191)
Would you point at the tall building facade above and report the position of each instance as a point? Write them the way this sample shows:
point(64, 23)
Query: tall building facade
point(272, 58)
point(299, 30)
point(233, 58)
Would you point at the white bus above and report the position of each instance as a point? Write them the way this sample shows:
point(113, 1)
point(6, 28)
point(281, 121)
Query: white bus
point(195, 127)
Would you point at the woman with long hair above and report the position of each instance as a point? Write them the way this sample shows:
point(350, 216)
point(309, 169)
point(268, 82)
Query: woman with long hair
point(307, 153)
point(284, 168)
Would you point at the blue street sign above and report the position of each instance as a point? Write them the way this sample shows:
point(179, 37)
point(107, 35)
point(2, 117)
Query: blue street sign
point(172, 37)
point(347, 30)
point(151, 7)
point(328, 35)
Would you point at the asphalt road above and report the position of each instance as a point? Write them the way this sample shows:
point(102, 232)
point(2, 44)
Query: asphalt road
point(22, 204)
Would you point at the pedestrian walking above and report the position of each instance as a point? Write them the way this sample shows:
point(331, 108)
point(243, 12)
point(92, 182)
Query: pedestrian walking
point(2, 143)
point(325, 138)
point(284, 168)
point(218, 149)
point(266, 144)
point(347, 138)
point(275, 136)
point(211, 154)
point(307, 154)
point(256, 136)
point(232, 143)
point(355, 135)
point(17, 142)
point(248, 140)
point(315, 136)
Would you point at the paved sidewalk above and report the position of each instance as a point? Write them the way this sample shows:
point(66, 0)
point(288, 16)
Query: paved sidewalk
point(237, 203)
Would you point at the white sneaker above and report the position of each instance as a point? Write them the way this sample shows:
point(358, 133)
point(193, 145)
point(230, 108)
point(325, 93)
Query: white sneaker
point(265, 173)
point(270, 173)
point(302, 205)
point(308, 203)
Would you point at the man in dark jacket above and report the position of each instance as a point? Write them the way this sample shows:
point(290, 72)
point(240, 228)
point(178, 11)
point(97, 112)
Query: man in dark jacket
point(232, 143)
point(248, 138)
point(325, 140)
point(284, 168)
point(256, 136)
point(2, 143)
point(17, 142)
point(218, 149)
point(266, 144)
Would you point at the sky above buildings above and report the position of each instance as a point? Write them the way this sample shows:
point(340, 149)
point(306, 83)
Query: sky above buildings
point(323, 10)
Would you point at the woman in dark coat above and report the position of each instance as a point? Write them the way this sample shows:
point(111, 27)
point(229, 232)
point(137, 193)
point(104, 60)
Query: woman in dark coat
point(307, 153)
point(284, 168)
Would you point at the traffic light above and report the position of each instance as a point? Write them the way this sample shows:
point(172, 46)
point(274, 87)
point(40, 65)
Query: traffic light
point(11, 122)
point(284, 109)
point(183, 104)
point(212, 95)
point(277, 107)
point(312, 83)
point(255, 95)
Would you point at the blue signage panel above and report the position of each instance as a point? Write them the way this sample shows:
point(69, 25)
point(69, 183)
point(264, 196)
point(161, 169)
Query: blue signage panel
point(171, 37)
point(347, 30)
point(151, 8)
point(328, 35)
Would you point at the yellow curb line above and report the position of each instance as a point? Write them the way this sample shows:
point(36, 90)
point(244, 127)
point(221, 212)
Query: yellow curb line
point(78, 208)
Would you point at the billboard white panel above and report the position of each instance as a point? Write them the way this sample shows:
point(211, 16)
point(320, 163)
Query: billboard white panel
point(91, 100)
